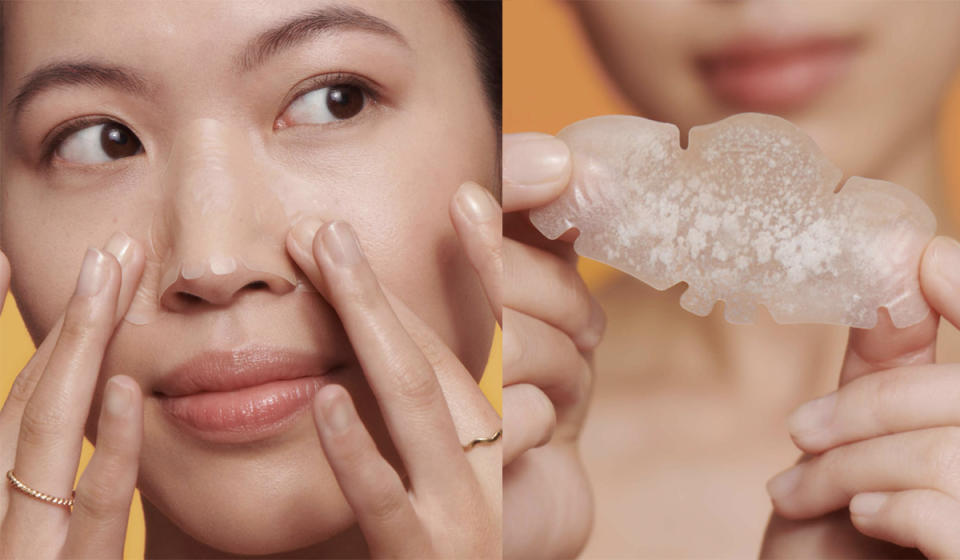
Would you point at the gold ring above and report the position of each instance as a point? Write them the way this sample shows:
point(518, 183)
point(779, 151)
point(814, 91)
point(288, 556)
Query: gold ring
point(38, 495)
point(478, 441)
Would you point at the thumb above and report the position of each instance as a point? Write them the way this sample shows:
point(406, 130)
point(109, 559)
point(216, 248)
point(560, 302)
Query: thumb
point(885, 346)
point(940, 277)
point(536, 169)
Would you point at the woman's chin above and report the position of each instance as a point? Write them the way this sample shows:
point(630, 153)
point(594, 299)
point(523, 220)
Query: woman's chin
point(271, 504)
point(254, 524)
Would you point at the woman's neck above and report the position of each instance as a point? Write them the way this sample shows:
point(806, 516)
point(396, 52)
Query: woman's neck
point(166, 540)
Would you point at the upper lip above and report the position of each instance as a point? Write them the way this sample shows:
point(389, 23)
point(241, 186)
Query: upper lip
point(237, 369)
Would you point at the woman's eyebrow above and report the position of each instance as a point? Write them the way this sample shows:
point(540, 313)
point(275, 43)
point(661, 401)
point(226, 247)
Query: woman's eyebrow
point(302, 28)
point(268, 43)
point(85, 73)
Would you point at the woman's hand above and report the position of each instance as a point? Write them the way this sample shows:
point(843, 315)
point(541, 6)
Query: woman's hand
point(42, 422)
point(451, 506)
point(886, 444)
point(551, 324)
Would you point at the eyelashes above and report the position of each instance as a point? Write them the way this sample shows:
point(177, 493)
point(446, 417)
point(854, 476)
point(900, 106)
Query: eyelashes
point(326, 99)
point(98, 143)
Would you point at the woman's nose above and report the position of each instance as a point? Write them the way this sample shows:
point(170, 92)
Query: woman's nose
point(221, 230)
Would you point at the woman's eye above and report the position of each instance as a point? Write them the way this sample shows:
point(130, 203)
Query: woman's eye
point(99, 143)
point(329, 104)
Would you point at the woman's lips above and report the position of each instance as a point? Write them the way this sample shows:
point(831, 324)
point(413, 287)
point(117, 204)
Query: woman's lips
point(243, 395)
point(245, 414)
point(776, 76)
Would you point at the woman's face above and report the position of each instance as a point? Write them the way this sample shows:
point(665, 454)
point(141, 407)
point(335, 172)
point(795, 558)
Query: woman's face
point(207, 130)
point(860, 77)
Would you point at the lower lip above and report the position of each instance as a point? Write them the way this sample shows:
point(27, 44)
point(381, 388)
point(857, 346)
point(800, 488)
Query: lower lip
point(244, 415)
point(778, 81)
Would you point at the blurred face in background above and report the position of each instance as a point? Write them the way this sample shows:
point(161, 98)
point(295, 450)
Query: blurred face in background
point(862, 78)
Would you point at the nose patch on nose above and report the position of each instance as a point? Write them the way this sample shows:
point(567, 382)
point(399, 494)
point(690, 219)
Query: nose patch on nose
point(748, 214)
point(219, 217)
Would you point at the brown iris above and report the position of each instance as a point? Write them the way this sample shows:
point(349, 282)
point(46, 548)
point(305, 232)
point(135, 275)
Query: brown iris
point(344, 101)
point(118, 141)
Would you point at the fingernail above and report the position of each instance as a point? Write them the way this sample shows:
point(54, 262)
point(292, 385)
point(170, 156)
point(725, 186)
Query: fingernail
point(868, 503)
point(119, 246)
point(341, 243)
point(476, 203)
point(117, 397)
point(93, 273)
point(784, 483)
point(533, 158)
point(304, 232)
point(335, 413)
point(813, 417)
point(946, 259)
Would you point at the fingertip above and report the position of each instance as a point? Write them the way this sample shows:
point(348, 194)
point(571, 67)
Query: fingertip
point(125, 382)
point(536, 169)
point(302, 234)
point(119, 394)
point(940, 276)
point(810, 424)
point(476, 204)
point(333, 409)
point(302, 242)
point(781, 489)
point(865, 505)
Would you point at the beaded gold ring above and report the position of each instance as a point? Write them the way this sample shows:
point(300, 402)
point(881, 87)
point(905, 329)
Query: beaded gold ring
point(38, 495)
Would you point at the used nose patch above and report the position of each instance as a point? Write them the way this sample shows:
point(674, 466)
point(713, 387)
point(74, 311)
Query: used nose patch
point(218, 214)
point(748, 214)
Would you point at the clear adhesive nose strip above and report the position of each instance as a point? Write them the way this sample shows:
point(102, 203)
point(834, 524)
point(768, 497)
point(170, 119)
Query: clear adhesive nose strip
point(748, 214)
point(220, 223)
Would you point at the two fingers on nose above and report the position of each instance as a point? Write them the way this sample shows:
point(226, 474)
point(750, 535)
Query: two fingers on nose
point(55, 390)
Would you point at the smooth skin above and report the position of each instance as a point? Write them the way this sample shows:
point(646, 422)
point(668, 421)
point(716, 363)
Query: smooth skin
point(885, 444)
point(551, 324)
point(449, 490)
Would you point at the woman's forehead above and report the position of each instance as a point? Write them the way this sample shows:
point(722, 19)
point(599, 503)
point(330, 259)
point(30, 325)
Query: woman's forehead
point(167, 37)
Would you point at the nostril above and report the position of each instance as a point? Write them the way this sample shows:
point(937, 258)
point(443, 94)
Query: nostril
point(258, 285)
point(188, 298)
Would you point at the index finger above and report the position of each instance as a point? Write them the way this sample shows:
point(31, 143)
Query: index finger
point(404, 383)
point(536, 169)
point(940, 277)
point(132, 262)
